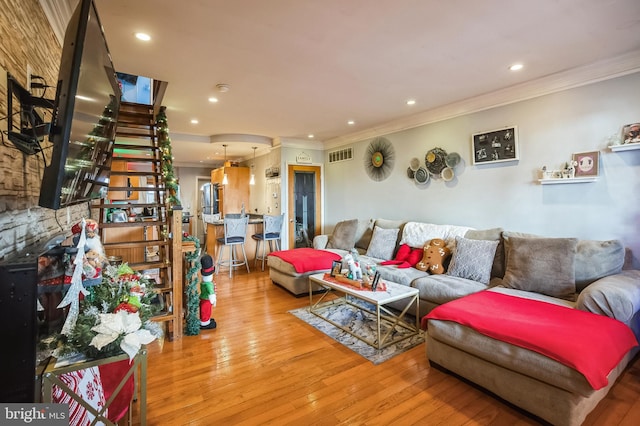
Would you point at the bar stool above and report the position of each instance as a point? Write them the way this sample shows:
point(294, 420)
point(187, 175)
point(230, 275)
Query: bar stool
point(235, 231)
point(271, 228)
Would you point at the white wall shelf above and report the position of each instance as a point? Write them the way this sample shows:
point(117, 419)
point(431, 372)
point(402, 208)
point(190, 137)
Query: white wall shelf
point(568, 180)
point(627, 147)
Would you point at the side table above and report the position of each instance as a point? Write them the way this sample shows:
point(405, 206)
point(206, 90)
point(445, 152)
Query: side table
point(136, 368)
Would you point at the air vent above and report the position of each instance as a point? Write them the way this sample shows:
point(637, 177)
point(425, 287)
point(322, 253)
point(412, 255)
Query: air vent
point(341, 155)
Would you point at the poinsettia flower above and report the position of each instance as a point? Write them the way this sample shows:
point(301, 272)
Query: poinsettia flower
point(133, 341)
point(112, 326)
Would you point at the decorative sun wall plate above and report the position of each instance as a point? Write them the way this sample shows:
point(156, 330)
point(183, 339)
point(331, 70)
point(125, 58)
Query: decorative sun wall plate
point(379, 159)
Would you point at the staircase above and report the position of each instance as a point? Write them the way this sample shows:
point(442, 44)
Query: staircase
point(135, 220)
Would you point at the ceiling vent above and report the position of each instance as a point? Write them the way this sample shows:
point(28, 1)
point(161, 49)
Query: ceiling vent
point(341, 155)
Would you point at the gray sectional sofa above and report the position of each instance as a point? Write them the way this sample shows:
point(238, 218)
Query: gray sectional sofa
point(581, 274)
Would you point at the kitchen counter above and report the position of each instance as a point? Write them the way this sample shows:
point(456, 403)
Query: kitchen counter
point(215, 229)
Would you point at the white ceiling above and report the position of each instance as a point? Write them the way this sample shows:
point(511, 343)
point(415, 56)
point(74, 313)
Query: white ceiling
point(297, 67)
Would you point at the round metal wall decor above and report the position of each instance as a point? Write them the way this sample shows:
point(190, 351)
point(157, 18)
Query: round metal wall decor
point(379, 158)
point(421, 176)
point(435, 160)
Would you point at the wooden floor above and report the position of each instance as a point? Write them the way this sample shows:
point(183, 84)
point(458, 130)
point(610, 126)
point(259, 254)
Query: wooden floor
point(264, 366)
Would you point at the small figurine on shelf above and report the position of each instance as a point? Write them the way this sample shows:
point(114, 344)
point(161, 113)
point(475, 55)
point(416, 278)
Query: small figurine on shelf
point(570, 169)
point(546, 174)
point(207, 293)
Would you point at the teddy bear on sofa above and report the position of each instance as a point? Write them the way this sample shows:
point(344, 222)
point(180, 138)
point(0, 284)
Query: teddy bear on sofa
point(435, 254)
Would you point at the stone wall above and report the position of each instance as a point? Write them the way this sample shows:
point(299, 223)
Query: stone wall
point(26, 38)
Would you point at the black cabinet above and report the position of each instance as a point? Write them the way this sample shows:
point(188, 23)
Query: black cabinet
point(19, 327)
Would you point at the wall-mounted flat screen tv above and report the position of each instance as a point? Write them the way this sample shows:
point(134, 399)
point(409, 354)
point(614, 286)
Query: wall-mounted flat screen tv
point(84, 117)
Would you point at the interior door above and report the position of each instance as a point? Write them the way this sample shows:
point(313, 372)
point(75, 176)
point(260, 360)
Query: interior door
point(305, 204)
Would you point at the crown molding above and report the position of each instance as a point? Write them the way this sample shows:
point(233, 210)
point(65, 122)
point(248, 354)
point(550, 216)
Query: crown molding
point(298, 143)
point(582, 76)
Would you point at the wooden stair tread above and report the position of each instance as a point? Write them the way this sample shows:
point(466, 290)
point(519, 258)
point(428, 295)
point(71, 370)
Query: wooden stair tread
point(130, 244)
point(137, 188)
point(131, 224)
point(134, 146)
point(123, 134)
point(136, 159)
point(120, 205)
point(148, 265)
point(134, 173)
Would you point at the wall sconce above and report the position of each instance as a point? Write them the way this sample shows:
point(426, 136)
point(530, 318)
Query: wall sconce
point(253, 166)
point(225, 179)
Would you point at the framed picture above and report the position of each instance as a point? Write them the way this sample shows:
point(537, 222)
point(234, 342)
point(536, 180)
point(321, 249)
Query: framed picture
point(336, 268)
point(587, 163)
point(631, 133)
point(495, 146)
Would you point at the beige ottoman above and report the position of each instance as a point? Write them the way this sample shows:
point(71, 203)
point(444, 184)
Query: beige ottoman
point(296, 279)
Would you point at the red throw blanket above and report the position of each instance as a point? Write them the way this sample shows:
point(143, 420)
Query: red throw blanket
point(590, 343)
point(307, 259)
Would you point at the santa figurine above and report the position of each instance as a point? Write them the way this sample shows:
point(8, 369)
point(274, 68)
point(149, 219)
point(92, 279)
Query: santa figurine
point(207, 293)
point(92, 239)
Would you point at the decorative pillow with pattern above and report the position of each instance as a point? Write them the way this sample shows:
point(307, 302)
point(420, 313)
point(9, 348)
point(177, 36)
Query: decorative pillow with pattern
point(473, 259)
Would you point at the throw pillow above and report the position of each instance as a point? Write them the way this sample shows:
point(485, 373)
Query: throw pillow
point(406, 257)
point(542, 265)
point(597, 259)
point(383, 243)
point(473, 259)
point(344, 235)
point(493, 234)
point(403, 253)
point(434, 254)
point(415, 256)
point(506, 237)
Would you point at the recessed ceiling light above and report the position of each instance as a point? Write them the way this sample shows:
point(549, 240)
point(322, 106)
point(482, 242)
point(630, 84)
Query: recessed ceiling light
point(516, 67)
point(194, 121)
point(310, 136)
point(411, 102)
point(143, 36)
point(351, 122)
point(213, 100)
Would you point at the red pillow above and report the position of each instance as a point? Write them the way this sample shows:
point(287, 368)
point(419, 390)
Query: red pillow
point(403, 253)
point(415, 256)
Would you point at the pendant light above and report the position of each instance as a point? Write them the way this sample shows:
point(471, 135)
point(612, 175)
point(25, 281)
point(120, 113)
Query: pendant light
point(225, 179)
point(253, 166)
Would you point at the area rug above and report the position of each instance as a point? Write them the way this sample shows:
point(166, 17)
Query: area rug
point(362, 323)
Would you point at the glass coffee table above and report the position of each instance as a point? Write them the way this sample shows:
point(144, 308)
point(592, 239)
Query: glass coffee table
point(390, 327)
